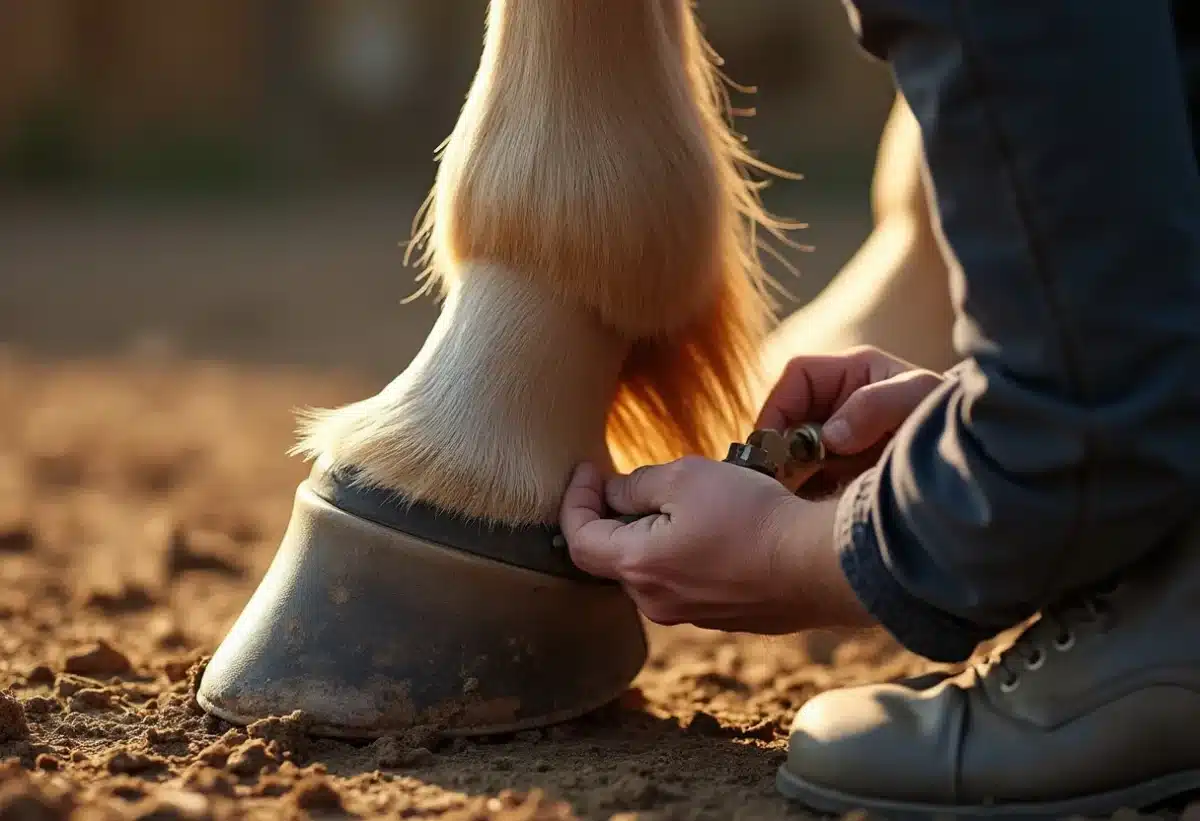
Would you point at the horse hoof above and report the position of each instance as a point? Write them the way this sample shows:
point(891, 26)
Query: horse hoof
point(369, 630)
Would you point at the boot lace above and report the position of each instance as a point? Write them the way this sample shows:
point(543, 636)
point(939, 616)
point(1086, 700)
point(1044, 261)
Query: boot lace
point(1056, 629)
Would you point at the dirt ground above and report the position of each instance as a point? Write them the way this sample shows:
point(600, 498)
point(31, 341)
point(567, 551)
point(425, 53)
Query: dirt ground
point(142, 495)
point(141, 501)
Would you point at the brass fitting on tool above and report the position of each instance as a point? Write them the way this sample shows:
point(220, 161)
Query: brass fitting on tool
point(782, 455)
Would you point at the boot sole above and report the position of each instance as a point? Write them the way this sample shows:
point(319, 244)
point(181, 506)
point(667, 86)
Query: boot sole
point(1148, 794)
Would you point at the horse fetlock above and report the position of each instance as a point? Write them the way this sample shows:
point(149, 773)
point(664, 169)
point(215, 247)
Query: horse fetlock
point(510, 391)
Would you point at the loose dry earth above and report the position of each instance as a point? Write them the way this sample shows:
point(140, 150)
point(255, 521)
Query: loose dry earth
point(139, 505)
point(141, 501)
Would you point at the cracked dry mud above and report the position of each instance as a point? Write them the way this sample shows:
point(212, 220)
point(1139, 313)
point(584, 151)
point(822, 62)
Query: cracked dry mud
point(139, 505)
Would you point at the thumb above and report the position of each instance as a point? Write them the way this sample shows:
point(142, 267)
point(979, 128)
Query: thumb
point(645, 490)
point(875, 411)
point(590, 537)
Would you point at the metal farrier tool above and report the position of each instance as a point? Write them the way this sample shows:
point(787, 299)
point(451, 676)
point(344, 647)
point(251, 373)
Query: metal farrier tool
point(789, 456)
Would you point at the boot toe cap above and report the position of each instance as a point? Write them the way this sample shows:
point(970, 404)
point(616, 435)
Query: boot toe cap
point(878, 741)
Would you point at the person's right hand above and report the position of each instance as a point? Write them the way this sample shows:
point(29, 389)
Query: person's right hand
point(860, 397)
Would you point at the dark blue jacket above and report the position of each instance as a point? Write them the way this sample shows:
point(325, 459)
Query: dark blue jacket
point(1059, 138)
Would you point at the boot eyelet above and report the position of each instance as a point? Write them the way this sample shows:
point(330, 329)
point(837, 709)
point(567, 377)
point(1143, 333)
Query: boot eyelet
point(1035, 661)
point(1010, 684)
point(1064, 642)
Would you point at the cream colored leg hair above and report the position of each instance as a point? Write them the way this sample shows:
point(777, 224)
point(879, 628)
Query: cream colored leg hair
point(593, 232)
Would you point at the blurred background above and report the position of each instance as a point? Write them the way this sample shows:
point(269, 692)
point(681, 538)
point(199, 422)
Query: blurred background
point(234, 179)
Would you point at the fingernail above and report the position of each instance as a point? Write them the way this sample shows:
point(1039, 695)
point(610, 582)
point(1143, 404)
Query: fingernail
point(836, 433)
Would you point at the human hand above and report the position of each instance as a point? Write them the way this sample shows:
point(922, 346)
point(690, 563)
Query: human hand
point(722, 547)
point(862, 396)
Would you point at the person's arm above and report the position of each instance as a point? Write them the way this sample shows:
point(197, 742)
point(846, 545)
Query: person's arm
point(1068, 444)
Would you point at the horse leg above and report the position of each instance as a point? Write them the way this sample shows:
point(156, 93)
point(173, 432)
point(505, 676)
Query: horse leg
point(591, 234)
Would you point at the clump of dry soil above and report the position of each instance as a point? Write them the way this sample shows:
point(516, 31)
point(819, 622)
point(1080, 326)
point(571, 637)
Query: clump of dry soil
point(139, 506)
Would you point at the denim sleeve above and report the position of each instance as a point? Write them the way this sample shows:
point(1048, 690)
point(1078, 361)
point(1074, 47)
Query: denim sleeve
point(1066, 445)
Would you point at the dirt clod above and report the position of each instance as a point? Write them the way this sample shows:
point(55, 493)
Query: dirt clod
point(390, 752)
point(705, 724)
point(16, 538)
point(13, 725)
point(91, 699)
point(316, 794)
point(288, 733)
point(102, 659)
point(132, 763)
point(177, 669)
point(39, 675)
point(252, 758)
point(208, 782)
point(66, 686)
point(45, 761)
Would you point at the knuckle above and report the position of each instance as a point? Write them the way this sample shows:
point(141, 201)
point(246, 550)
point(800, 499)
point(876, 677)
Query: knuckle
point(868, 395)
point(675, 473)
point(927, 378)
point(796, 367)
point(639, 472)
point(636, 480)
point(866, 353)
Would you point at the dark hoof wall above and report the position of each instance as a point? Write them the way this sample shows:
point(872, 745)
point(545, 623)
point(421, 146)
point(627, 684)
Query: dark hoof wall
point(369, 631)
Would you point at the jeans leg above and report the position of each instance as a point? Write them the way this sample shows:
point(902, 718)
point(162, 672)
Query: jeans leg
point(1059, 147)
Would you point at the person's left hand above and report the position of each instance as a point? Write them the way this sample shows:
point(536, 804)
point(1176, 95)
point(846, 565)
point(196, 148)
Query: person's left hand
point(723, 547)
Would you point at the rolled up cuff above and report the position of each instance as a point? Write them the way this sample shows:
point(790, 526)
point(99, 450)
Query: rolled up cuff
point(923, 629)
